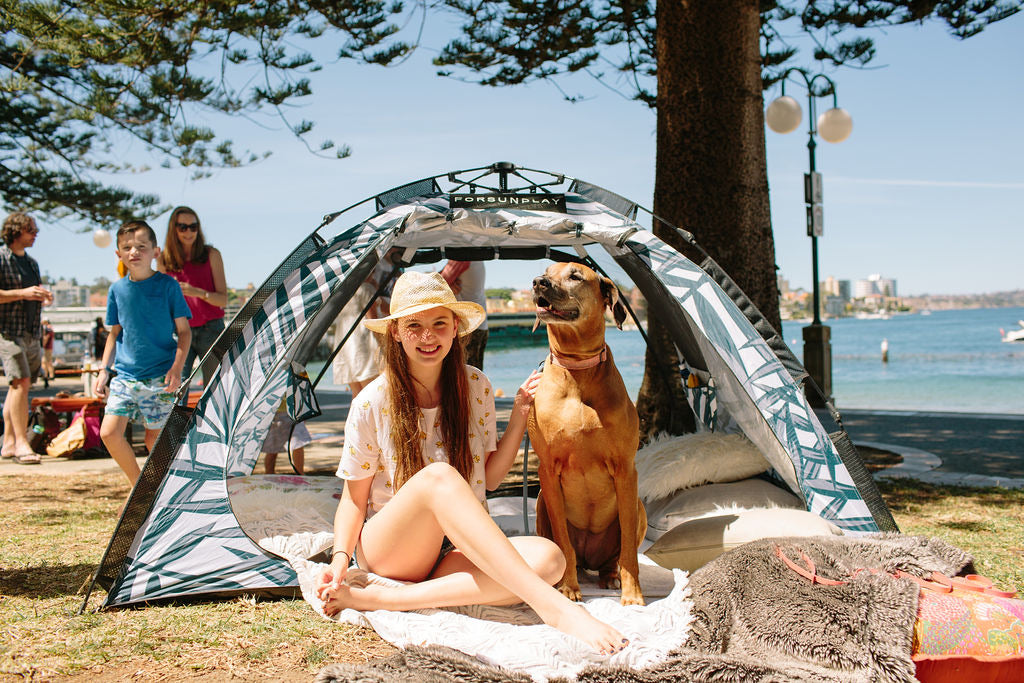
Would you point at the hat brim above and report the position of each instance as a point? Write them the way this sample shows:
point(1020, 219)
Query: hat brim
point(471, 316)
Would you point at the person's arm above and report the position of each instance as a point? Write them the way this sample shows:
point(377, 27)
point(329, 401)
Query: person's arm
point(348, 523)
point(499, 461)
point(173, 379)
point(99, 386)
point(33, 293)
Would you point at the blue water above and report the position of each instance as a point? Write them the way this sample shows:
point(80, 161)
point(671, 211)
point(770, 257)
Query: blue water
point(946, 361)
point(949, 360)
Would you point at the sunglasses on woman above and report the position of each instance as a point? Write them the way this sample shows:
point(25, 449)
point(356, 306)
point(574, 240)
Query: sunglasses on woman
point(188, 227)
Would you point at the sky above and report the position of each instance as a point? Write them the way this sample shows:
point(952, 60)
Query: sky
point(928, 189)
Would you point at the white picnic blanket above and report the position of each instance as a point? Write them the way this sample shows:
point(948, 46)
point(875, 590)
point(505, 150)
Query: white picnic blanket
point(515, 638)
point(511, 637)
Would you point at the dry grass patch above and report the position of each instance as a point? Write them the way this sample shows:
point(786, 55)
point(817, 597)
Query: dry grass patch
point(57, 529)
point(988, 523)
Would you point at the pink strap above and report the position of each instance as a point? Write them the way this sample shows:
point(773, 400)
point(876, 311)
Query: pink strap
point(980, 584)
point(809, 572)
point(571, 364)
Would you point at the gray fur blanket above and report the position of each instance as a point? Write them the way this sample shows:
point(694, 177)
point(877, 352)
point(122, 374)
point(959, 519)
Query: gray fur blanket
point(756, 620)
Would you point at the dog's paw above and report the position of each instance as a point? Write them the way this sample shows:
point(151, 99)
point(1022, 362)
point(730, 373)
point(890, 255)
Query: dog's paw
point(637, 599)
point(570, 591)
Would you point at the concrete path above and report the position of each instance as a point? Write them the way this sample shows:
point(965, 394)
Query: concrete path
point(967, 449)
point(943, 448)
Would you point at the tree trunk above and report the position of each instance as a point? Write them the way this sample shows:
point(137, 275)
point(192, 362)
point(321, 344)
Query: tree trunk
point(711, 173)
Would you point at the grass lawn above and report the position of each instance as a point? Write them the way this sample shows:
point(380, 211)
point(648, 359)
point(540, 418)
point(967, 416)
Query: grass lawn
point(58, 527)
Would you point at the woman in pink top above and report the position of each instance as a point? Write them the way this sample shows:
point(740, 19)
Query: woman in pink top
point(200, 269)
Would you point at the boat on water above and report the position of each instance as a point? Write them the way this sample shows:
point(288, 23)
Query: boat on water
point(1013, 335)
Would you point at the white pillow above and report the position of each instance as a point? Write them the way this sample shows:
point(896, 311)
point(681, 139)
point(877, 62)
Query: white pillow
point(693, 544)
point(715, 499)
point(670, 463)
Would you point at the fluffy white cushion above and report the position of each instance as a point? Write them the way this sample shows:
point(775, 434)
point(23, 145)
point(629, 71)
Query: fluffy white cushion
point(693, 544)
point(715, 499)
point(670, 463)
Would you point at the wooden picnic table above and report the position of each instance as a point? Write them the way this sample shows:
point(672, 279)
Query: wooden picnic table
point(73, 404)
point(75, 372)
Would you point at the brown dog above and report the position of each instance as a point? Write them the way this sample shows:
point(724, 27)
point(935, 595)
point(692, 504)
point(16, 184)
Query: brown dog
point(584, 429)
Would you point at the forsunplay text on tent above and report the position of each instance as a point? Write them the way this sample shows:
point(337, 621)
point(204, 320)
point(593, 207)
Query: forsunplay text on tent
point(532, 202)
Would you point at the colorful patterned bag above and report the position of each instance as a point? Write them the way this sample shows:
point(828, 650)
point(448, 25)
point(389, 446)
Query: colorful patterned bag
point(968, 630)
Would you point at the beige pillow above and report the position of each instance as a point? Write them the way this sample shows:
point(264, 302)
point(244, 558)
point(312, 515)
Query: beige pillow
point(693, 544)
point(713, 500)
point(670, 463)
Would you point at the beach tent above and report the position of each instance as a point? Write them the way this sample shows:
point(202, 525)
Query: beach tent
point(178, 536)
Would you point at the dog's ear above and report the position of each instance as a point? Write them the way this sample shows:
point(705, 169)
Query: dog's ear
point(611, 299)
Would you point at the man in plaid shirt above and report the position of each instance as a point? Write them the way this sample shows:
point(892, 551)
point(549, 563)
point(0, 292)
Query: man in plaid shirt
point(21, 300)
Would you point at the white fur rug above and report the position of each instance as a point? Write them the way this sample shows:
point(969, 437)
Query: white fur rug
point(671, 463)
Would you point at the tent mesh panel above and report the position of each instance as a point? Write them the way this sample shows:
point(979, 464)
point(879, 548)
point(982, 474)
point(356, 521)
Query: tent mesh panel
point(419, 188)
point(864, 481)
point(153, 474)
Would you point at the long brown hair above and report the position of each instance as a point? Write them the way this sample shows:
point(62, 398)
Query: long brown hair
point(405, 423)
point(173, 256)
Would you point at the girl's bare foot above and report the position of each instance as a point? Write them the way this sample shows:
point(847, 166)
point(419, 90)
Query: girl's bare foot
point(571, 618)
point(338, 599)
point(347, 596)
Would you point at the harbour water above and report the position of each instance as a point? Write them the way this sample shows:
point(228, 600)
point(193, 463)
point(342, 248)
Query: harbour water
point(945, 361)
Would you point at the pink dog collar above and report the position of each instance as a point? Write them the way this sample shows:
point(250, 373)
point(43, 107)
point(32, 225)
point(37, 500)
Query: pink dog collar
point(570, 364)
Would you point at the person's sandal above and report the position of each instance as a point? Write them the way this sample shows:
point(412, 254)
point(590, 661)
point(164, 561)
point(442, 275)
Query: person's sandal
point(8, 456)
point(30, 458)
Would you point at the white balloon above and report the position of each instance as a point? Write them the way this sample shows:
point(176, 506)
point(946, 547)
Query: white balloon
point(835, 125)
point(101, 238)
point(783, 115)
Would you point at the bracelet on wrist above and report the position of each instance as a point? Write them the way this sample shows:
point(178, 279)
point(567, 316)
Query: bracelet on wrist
point(348, 558)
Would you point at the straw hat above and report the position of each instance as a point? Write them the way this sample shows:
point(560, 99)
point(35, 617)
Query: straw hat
point(415, 292)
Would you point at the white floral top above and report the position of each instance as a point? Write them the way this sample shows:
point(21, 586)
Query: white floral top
point(369, 450)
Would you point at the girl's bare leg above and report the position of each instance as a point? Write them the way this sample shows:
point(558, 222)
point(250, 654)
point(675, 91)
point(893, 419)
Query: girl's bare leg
point(401, 541)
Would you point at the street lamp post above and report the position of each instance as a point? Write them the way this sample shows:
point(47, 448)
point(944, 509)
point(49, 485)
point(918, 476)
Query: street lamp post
point(783, 116)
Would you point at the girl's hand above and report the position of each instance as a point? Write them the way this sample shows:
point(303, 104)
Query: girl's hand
point(527, 392)
point(331, 580)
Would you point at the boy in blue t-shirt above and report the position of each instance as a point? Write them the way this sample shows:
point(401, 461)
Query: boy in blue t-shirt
point(144, 311)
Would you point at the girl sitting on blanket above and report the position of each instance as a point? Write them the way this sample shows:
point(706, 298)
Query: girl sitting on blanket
point(420, 448)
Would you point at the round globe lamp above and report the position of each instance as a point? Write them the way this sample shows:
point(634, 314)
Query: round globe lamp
point(835, 125)
point(101, 238)
point(783, 115)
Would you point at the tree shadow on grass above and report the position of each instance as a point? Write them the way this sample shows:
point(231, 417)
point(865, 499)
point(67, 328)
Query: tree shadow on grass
point(46, 581)
point(902, 493)
point(965, 526)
